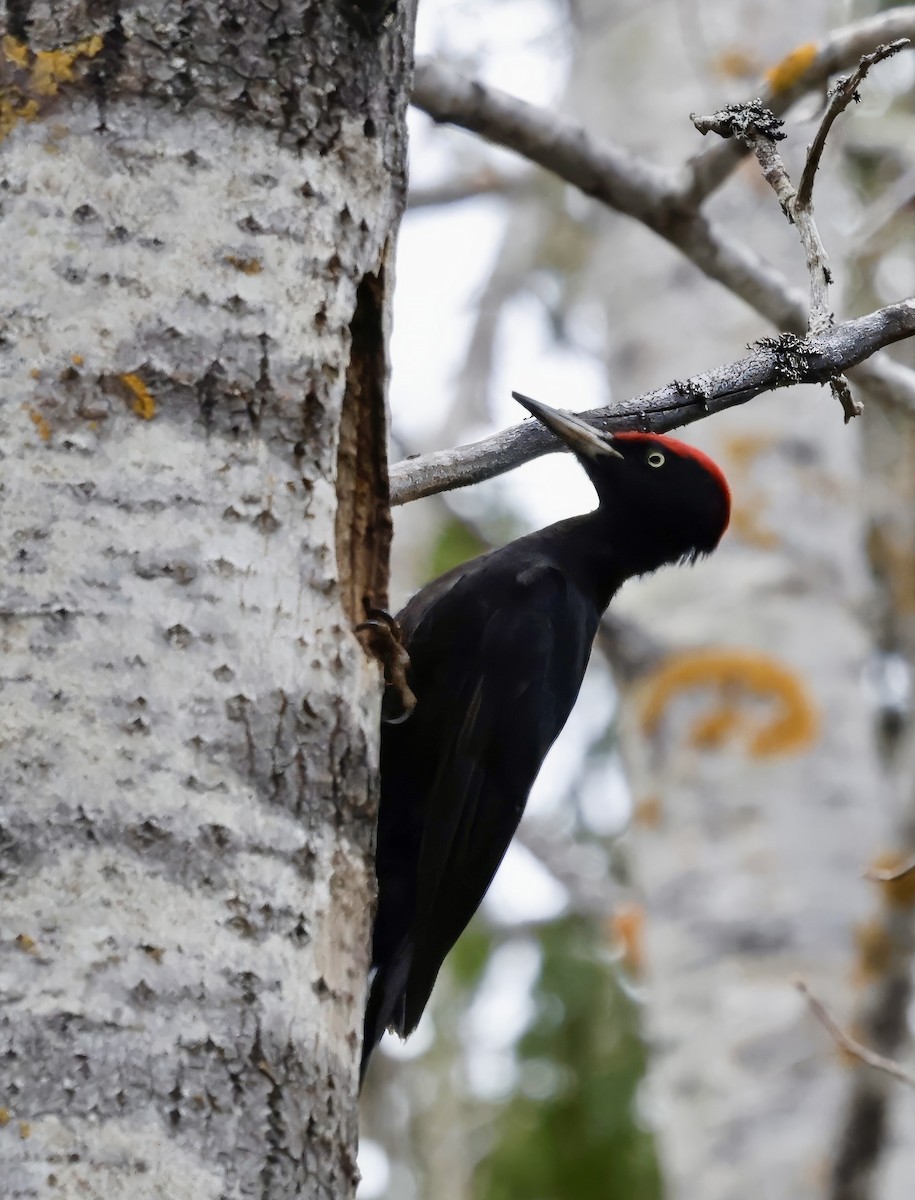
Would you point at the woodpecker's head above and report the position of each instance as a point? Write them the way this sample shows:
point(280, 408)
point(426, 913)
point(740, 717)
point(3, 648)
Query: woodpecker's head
point(669, 502)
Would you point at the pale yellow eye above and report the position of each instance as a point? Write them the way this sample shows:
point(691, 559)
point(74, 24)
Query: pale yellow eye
point(656, 459)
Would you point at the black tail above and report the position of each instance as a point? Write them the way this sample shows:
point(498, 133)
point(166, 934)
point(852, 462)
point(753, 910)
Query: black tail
point(384, 1008)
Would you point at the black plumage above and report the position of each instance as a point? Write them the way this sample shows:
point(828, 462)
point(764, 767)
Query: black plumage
point(498, 649)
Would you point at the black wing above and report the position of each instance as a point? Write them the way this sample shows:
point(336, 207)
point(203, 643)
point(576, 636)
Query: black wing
point(498, 655)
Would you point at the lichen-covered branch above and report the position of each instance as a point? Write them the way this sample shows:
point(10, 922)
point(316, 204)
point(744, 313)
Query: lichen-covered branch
point(761, 130)
point(806, 68)
point(773, 363)
point(635, 187)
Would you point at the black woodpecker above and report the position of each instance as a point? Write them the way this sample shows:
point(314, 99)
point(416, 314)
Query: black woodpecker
point(498, 649)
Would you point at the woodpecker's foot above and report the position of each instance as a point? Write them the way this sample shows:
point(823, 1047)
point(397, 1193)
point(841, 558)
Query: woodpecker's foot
point(384, 639)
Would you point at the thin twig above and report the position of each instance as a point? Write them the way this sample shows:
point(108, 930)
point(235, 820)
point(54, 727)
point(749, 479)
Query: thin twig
point(844, 92)
point(851, 1045)
point(761, 129)
point(641, 190)
point(773, 363)
point(839, 50)
point(890, 874)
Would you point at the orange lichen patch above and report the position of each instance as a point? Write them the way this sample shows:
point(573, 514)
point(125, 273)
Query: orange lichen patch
point(77, 360)
point(25, 1130)
point(27, 943)
point(14, 51)
point(41, 424)
point(792, 68)
point(4, 1117)
point(717, 727)
point(143, 403)
point(736, 676)
point(897, 893)
point(51, 68)
point(736, 64)
point(35, 373)
point(873, 951)
point(746, 523)
point(247, 266)
point(15, 107)
point(627, 926)
point(648, 812)
point(42, 74)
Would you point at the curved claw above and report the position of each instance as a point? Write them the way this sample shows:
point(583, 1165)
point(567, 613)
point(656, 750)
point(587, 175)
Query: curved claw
point(385, 643)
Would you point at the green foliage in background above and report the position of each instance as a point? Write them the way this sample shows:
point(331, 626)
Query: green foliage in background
point(570, 1131)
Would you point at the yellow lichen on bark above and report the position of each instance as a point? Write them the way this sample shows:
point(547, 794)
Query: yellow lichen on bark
point(143, 403)
point(627, 927)
point(41, 424)
point(15, 51)
point(792, 68)
point(15, 107)
point(734, 677)
point(247, 266)
point(897, 893)
point(42, 74)
point(716, 727)
point(51, 68)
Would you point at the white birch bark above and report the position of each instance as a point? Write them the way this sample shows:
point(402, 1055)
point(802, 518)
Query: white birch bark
point(198, 204)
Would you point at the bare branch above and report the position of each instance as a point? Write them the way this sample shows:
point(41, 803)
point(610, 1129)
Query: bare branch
point(838, 51)
point(601, 169)
point(840, 97)
point(639, 189)
point(762, 129)
point(484, 182)
point(773, 363)
point(890, 874)
point(614, 176)
point(851, 1045)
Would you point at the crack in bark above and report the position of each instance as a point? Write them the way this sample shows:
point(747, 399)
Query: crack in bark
point(18, 19)
point(363, 532)
point(107, 66)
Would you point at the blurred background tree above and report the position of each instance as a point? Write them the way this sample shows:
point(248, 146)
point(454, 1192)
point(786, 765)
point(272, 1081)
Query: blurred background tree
point(619, 1021)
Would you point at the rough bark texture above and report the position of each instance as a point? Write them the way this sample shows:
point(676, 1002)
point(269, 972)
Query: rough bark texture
point(197, 205)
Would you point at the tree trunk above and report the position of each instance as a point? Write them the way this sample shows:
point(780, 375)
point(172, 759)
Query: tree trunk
point(198, 207)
